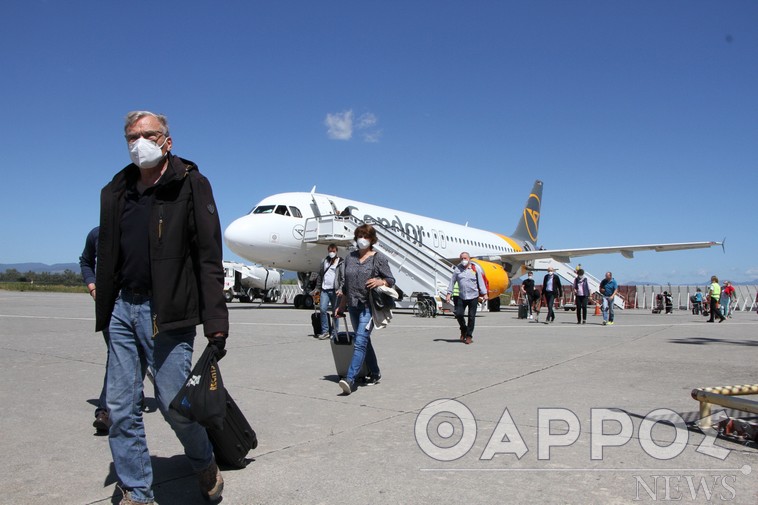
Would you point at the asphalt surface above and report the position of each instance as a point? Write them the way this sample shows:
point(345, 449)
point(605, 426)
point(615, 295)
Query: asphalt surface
point(497, 436)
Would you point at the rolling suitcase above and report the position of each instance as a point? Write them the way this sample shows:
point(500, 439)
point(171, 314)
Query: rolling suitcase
point(342, 351)
point(316, 322)
point(523, 311)
point(232, 444)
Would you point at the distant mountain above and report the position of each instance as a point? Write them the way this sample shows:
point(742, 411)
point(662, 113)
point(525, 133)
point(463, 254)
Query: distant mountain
point(40, 267)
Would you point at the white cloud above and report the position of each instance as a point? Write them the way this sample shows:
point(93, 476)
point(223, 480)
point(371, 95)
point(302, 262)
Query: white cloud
point(372, 137)
point(752, 272)
point(339, 126)
point(366, 120)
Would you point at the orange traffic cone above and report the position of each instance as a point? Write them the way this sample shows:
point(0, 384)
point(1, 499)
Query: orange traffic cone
point(597, 309)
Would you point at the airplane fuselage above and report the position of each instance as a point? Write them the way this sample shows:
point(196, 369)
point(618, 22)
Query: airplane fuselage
point(272, 233)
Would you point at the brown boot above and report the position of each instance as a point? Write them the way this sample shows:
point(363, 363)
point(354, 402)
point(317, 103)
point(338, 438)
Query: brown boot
point(211, 482)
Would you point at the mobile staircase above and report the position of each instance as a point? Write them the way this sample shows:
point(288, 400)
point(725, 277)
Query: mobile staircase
point(417, 267)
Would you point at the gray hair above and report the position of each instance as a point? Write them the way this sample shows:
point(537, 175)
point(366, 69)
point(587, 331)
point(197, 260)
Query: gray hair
point(136, 115)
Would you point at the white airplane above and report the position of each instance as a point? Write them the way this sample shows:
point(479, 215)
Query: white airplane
point(273, 233)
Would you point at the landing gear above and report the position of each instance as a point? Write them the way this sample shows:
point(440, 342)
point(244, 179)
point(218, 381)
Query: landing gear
point(494, 304)
point(303, 302)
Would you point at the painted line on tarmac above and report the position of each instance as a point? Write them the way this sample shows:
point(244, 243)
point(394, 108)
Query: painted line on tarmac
point(48, 317)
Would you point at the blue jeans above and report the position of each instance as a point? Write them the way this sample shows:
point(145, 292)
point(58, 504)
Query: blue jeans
point(607, 308)
point(102, 402)
point(328, 296)
point(359, 317)
point(133, 348)
point(725, 306)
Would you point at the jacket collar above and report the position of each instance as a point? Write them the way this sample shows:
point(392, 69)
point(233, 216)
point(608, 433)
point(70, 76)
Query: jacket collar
point(176, 170)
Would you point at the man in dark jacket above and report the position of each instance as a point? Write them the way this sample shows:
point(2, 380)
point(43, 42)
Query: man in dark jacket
point(159, 274)
point(551, 289)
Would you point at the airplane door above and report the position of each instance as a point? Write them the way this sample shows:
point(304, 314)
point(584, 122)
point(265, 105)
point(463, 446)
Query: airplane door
point(435, 238)
point(443, 240)
point(321, 205)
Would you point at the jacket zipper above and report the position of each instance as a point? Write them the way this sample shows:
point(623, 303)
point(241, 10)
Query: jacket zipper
point(155, 325)
point(160, 223)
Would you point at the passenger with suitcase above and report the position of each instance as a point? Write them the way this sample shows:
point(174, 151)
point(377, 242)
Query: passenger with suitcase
point(365, 269)
point(329, 283)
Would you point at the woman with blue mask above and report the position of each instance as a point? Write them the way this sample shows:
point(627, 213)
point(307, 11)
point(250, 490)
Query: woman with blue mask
point(365, 269)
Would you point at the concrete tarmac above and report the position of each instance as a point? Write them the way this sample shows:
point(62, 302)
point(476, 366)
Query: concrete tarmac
point(515, 424)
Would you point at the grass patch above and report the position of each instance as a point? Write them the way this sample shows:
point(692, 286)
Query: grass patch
point(50, 288)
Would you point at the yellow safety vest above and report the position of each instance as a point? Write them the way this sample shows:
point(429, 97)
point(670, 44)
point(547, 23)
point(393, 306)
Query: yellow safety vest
point(715, 291)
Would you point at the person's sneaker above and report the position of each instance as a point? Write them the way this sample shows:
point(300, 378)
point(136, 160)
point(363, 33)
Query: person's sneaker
point(102, 422)
point(323, 336)
point(372, 380)
point(531, 316)
point(346, 386)
point(469, 340)
point(610, 322)
point(211, 482)
point(605, 322)
point(128, 500)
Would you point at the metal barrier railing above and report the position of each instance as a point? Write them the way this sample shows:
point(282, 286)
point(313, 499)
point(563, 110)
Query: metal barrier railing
point(724, 396)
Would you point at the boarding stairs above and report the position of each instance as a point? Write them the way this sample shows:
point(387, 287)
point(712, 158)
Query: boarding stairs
point(417, 267)
point(568, 273)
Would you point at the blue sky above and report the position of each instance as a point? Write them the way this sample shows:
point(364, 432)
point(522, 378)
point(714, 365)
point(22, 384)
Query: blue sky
point(641, 117)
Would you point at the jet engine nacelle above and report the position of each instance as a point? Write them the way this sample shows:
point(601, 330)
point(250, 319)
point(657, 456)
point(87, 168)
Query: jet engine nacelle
point(497, 277)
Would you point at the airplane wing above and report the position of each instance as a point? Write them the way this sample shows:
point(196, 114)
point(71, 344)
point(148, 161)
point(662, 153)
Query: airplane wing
point(565, 255)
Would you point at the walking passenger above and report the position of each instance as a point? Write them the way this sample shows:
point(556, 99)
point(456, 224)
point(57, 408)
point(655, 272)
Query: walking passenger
point(88, 265)
point(365, 269)
point(159, 275)
point(528, 287)
point(473, 291)
point(551, 289)
point(608, 289)
point(582, 292)
point(329, 283)
point(714, 295)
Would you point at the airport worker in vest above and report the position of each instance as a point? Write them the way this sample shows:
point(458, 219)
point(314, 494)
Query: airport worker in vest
point(87, 264)
point(329, 283)
point(714, 295)
point(159, 275)
point(528, 287)
point(551, 289)
point(472, 291)
point(582, 292)
point(608, 289)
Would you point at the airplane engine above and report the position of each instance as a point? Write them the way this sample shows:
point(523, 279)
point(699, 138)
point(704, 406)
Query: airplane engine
point(497, 281)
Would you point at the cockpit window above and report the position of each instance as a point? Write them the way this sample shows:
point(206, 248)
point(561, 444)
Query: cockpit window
point(263, 209)
point(282, 209)
point(296, 212)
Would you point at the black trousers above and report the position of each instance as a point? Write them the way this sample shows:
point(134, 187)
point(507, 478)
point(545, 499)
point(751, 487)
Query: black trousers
point(715, 310)
point(460, 308)
point(549, 299)
point(581, 308)
point(530, 302)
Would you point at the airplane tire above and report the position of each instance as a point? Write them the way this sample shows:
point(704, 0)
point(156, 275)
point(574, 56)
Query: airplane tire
point(308, 302)
point(228, 296)
point(494, 304)
point(298, 301)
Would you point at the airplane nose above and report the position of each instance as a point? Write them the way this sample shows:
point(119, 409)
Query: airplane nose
point(237, 236)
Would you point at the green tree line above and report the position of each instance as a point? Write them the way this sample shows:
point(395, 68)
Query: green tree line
point(65, 278)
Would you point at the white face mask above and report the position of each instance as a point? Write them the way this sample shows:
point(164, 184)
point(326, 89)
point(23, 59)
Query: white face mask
point(146, 153)
point(363, 243)
point(464, 263)
point(332, 254)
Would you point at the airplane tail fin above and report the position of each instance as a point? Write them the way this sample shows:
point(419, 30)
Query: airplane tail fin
point(529, 224)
